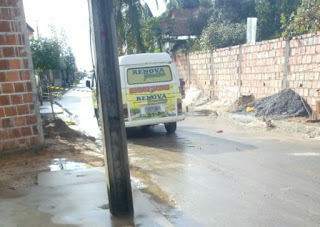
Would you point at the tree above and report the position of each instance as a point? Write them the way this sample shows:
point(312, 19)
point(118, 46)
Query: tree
point(270, 13)
point(68, 63)
point(220, 24)
point(46, 56)
point(219, 35)
point(53, 54)
point(67, 58)
point(129, 15)
point(152, 35)
point(306, 19)
point(201, 18)
point(188, 3)
point(236, 11)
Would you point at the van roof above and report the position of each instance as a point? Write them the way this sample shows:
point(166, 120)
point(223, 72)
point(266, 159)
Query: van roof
point(147, 58)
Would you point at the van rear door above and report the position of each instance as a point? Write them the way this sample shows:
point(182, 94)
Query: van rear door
point(152, 92)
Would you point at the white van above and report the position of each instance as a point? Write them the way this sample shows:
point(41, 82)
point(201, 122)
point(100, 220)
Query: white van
point(151, 91)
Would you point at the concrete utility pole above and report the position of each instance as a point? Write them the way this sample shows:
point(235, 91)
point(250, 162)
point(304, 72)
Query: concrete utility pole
point(111, 108)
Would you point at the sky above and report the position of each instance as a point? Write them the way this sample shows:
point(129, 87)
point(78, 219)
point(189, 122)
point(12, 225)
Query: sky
point(73, 17)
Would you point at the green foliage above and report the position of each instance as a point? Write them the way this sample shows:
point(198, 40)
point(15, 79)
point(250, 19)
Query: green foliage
point(54, 54)
point(271, 13)
point(45, 54)
point(220, 23)
point(152, 35)
point(193, 45)
point(69, 64)
point(129, 16)
point(306, 19)
point(200, 20)
point(236, 11)
point(224, 24)
point(268, 22)
point(188, 4)
point(219, 35)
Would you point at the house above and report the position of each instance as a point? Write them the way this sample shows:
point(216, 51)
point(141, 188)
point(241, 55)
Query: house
point(177, 29)
point(30, 31)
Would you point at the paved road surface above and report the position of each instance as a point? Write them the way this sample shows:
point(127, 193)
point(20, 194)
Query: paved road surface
point(241, 177)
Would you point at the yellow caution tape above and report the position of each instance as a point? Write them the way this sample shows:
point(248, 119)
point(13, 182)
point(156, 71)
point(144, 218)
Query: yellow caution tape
point(66, 89)
point(56, 95)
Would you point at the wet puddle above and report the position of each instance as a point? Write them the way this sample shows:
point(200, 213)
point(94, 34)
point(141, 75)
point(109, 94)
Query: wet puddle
point(64, 164)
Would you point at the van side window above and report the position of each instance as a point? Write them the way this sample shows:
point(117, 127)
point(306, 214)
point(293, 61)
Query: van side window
point(146, 75)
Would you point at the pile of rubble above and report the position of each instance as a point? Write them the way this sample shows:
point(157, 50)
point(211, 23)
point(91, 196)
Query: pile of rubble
point(285, 104)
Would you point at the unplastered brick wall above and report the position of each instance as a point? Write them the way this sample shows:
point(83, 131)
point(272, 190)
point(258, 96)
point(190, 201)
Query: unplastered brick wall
point(225, 73)
point(304, 67)
point(20, 123)
point(262, 69)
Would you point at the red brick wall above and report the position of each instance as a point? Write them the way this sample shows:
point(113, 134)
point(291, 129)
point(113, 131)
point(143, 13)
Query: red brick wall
point(20, 123)
point(258, 69)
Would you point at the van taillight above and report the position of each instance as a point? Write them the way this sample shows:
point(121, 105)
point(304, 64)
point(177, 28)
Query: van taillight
point(182, 87)
point(179, 102)
point(125, 112)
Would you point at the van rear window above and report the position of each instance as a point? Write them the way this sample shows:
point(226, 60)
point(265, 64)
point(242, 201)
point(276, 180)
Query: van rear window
point(149, 75)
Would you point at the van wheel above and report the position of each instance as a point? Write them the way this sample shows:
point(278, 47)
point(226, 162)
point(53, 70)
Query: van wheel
point(171, 127)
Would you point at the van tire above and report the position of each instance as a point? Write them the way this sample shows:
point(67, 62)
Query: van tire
point(171, 127)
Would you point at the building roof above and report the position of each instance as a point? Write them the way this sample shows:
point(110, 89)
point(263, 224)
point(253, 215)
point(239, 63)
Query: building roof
point(180, 21)
point(30, 28)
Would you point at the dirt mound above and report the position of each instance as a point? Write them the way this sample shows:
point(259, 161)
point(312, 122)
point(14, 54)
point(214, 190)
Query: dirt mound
point(285, 104)
point(57, 127)
point(241, 102)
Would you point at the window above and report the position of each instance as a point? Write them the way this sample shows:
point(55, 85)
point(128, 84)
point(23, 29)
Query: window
point(149, 75)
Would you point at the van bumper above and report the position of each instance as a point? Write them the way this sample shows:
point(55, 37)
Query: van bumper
point(154, 121)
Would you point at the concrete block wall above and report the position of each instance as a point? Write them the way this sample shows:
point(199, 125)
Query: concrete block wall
point(200, 66)
point(20, 123)
point(182, 65)
point(304, 67)
point(262, 69)
point(226, 73)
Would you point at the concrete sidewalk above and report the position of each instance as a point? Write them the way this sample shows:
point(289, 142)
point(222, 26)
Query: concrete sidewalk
point(74, 197)
point(45, 109)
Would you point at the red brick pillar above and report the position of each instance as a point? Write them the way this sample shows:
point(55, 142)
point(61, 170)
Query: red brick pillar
point(20, 122)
